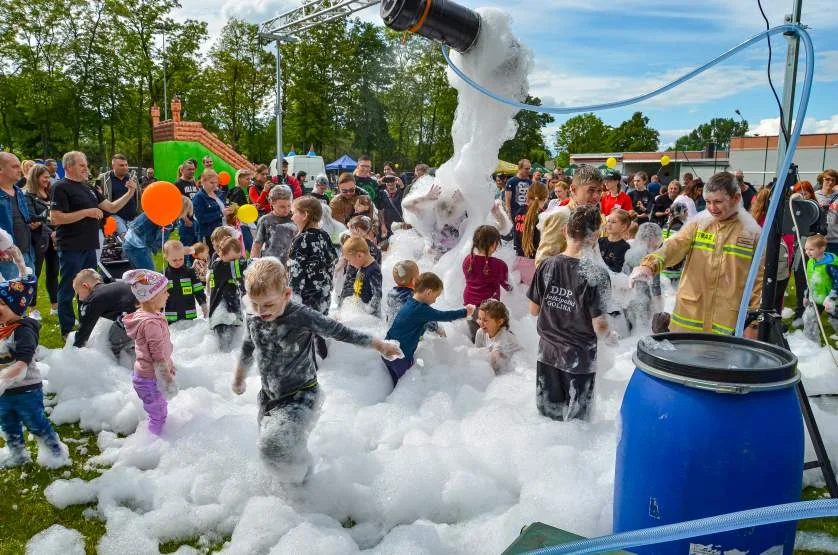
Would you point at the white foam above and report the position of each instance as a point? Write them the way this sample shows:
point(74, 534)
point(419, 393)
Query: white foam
point(56, 540)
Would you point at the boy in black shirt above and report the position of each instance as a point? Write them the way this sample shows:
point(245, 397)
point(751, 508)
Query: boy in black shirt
point(21, 393)
point(226, 283)
point(367, 283)
point(103, 300)
point(567, 294)
point(184, 286)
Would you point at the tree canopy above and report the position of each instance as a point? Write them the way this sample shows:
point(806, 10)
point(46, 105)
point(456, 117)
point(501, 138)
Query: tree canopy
point(588, 133)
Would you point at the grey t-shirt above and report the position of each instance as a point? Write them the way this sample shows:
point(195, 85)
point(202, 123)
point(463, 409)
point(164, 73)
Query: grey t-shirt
point(275, 233)
point(571, 292)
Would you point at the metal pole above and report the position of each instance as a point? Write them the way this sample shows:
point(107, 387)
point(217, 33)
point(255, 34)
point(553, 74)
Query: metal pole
point(789, 85)
point(278, 109)
point(165, 93)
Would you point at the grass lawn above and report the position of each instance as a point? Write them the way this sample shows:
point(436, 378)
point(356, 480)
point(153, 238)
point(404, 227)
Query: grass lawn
point(24, 510)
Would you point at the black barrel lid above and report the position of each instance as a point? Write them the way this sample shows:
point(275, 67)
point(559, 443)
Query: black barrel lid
point(716, 358)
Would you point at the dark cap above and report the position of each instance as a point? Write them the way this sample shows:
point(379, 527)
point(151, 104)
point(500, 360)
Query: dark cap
point(612, 175)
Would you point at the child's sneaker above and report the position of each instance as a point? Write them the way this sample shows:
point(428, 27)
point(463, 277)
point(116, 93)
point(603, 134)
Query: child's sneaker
point(53, 311)
point(35, 315)
point(52, 453)
point(16, 455)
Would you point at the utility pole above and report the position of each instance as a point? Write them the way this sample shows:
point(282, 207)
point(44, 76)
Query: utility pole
point(278, 40)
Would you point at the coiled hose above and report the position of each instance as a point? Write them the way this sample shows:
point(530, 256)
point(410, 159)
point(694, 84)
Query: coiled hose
point(776, 195)
point(800, 510)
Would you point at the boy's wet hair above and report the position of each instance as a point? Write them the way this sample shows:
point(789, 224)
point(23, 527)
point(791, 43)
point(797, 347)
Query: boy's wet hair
point(199, 249)
point(427, 281)
point(360, 222)
point(817, 241)
point(723, 182)
point(405, 271)
point(585, 173)
point(584, 221)
point(495, 310)
point(171, 245)
point(86, 275)
point(264, 276)
point(355, 245)
point(280, 192)
point(229, 244)
point(219, 234)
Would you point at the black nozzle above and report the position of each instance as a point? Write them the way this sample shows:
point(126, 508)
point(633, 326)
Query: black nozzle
point(439, 20)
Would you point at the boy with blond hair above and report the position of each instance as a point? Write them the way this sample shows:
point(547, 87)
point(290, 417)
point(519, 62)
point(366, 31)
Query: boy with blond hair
point(279, 337)
point(366, 285)
point(410, 323)
point(185, 289)
point(822, 274)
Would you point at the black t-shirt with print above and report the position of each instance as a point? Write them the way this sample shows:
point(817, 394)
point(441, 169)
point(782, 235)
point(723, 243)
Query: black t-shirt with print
point(518, 232)
point(187, 188)
point(613, 254)
point(71, 196)
point(571, 292)
point(644, 197)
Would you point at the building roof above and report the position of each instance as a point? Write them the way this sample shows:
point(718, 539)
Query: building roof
point(813, 140)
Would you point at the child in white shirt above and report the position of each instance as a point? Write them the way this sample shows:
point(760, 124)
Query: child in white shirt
point(494, 334)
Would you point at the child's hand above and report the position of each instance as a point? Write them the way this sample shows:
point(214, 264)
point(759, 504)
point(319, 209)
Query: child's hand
point(440, 332)
point(640, 273)
point(204, 309)
point(239, 385)
point(388, 349)
point(469, 310)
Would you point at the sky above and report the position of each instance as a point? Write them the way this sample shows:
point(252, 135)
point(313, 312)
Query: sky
point(590, 51)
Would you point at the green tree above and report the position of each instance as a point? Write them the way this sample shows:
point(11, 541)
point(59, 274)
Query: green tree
point(717, 130)
point(529, 140)
point(582, 133)
point(634, 135)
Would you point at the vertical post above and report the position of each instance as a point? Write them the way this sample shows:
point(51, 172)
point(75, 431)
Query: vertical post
point(278, 108)
point(165, 92)
point(789, 85)
point(772, 253)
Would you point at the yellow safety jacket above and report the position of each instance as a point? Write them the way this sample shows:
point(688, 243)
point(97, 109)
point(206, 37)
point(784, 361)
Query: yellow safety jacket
point(718, 256)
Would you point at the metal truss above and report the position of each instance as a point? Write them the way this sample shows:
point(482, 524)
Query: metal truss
point(312, 14)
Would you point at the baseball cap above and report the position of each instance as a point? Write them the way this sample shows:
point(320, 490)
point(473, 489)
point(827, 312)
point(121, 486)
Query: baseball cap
point(613, 175)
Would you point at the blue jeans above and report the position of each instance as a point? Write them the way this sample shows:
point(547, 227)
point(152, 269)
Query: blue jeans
point(247, 237)
point(139, 258)
point(70, 264)
point(27, 409)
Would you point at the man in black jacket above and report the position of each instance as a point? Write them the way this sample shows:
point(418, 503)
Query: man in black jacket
point(103, 300)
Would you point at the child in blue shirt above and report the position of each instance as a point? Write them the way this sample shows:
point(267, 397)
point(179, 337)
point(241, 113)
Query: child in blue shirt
point(366, 286)
point(21, 393)
point(410, 322)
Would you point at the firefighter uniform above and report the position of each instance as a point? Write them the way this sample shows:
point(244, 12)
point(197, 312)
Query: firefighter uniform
point(717, 256)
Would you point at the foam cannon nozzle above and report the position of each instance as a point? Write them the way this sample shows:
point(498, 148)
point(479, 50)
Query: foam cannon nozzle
point(439, 20)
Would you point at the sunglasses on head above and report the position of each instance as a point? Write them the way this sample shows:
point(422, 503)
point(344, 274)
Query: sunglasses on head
point(348, 191)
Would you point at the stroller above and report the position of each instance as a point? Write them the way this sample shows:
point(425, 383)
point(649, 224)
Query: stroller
point(112, 262)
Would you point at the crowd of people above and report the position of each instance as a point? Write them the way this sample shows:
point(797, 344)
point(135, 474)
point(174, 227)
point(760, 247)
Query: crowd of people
point(589, 252)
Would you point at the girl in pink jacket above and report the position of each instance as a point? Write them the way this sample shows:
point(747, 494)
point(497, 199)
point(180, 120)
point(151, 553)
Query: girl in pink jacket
point(154, 373)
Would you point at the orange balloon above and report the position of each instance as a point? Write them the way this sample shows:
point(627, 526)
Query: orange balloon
point(110, 226)
point(223, 178)
point(161, 202)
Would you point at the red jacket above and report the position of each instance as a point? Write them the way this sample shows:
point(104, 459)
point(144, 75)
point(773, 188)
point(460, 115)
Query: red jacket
point(609, 202)
point(296, 188)
point(259, 198)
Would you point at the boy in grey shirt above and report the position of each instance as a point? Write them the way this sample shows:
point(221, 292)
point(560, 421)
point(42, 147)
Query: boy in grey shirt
point(275, 230)
point(280, 333)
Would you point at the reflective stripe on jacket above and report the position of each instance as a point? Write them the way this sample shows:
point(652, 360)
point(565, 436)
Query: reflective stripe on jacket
point(717, 257)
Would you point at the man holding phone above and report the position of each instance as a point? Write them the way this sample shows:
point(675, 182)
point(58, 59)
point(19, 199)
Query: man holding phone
point(115, 185)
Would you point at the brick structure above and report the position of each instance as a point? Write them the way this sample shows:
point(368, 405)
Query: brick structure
point(177, 130)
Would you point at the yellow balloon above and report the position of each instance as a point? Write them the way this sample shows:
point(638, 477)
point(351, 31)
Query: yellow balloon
point(247, 214)
point(665, 160)
point(611, 163)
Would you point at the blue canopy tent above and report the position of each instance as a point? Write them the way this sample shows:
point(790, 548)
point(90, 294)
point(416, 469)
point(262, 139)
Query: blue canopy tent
point(342, 163)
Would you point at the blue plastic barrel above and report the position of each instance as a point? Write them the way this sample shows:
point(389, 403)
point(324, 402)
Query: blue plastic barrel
point(710, 424)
